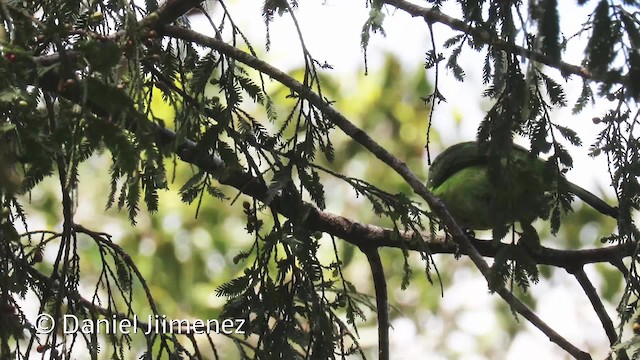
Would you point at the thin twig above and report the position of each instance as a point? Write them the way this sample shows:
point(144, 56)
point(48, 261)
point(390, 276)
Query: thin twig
point(382, 302)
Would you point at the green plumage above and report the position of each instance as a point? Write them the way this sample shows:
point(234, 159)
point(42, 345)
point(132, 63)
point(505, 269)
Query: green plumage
point(460, 177)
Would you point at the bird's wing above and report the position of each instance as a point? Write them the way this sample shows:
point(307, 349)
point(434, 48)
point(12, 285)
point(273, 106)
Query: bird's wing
point(452, 160)
point(460, 156)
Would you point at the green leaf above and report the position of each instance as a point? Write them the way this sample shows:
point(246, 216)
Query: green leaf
point(452, 64)
point(193, 181)
point(312, 183)
point(372, 25)
point(133, 198)
point(453, 40)
point(631, 28)
point(254, 91)
point(228, 156)
point(189, 195)
point(124, 276)
point(486, 69)
point(202, 73)
point(216, 192)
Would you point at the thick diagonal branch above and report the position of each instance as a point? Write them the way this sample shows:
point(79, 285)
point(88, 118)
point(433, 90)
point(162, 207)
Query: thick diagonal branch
point(592, 294)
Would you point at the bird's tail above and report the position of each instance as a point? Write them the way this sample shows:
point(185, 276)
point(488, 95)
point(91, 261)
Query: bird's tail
point(594, 201)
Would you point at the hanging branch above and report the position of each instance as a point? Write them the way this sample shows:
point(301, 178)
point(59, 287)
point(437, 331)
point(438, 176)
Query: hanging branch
point(382, 301)
point(598, 307)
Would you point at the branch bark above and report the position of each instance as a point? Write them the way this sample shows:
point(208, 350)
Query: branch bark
point(596, 303)
point(382, 302)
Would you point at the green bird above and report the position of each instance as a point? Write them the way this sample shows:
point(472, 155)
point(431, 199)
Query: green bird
point(460, 177)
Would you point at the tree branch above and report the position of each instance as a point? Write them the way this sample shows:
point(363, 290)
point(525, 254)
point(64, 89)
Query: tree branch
point(598, 307)
point(382, 302)
point(339, 226)
point(168, 12)
point(432, 15)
